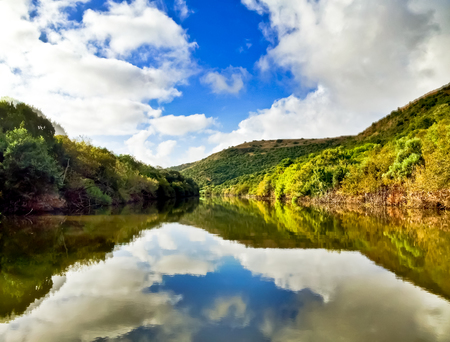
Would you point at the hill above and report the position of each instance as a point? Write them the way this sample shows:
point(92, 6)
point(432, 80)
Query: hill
point(252, 157)
point(388, 153)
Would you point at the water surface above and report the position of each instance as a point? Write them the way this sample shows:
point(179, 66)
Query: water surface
point(226, 270)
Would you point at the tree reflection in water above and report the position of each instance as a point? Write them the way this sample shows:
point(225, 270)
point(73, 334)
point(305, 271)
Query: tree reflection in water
point(253, 271)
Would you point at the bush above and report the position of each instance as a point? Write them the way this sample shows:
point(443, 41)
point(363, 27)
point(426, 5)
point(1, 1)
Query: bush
point(27, 167)
point(409, 155)
point(367, 176)
point(265, 188)
point(95, 195)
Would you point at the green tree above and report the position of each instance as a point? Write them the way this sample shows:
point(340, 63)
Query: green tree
point(27, 167)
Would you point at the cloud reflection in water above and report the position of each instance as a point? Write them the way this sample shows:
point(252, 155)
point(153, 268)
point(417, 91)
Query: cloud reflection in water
point(180, 283)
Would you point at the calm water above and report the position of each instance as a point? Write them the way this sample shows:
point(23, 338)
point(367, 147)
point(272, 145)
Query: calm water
point(226, 270)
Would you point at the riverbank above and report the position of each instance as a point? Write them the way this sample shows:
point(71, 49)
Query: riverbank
point(54, 204)
point(388, 197)
point(395, 197)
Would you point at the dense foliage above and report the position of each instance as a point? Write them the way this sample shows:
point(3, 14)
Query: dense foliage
point(409, 149)
point(37, 166)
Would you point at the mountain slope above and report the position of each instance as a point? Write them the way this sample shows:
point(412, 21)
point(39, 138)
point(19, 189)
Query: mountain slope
point(253, 157)
point(258, 157)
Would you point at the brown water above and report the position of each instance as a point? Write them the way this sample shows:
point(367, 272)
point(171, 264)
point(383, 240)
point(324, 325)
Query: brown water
point(222, 270)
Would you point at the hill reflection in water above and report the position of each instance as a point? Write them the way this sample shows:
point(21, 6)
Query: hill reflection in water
point(226, 269)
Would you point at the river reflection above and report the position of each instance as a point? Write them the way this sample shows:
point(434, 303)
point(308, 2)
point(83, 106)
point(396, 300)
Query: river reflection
point(185, 274)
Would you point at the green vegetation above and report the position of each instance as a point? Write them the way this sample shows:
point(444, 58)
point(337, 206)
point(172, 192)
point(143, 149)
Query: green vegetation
point(250, 158)
point(41, 171)
point(407, 151)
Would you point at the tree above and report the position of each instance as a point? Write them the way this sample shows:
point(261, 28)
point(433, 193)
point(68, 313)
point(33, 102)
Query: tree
point(27, 167)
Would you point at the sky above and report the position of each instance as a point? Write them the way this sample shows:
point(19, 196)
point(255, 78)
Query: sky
point(172, 81)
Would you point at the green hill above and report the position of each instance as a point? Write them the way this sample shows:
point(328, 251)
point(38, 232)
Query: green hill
point(252, 157)
point(390, 150)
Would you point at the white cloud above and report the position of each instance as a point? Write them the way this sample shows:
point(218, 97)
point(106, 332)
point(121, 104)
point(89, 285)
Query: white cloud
point(171, 125)
point(165, 148)
point(81, 77)
point(149, 26)
point(143, 150)
point(193, 153)
point(182, 9)
point(371, 55)
point(291, 117)
point(196, 153)
point(255, 5)
point(181, 125)
point(229, 81)
point(364, 58)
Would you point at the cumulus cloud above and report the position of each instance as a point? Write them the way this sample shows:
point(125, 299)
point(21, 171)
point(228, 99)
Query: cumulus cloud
point(148, 27)
point(81, 74)
point(180, 125)
point(196, 153)
point(144, 150)
point(171, 125)
point(291, 117)
point(364, 58)
point(229, 81)
point(193, 153)
point(371, 54)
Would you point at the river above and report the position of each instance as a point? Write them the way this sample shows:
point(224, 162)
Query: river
point(226, 270)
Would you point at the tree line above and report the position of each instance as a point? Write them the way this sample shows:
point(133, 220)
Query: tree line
point(40, 170)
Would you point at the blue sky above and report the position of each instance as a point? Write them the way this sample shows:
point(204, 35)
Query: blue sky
point(174, 81)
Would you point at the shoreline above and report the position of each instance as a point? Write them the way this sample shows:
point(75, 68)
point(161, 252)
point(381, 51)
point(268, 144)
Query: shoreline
point(397, 197)
point(61, 206)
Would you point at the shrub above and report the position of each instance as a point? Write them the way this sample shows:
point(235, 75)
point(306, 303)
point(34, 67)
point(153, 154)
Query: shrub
point(27, 167)
point(367, 175)
point(96, 196)
point(409, 155)
point(265, 188)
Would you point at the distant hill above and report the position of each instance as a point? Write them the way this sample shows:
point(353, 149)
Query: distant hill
point(252, 157)
point(260, 156)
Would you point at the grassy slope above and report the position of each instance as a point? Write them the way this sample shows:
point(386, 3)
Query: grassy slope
point(258, 156)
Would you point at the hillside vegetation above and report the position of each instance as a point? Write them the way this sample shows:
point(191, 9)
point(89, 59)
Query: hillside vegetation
point(252, 157)
point(41, 171)
point(401, 159)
